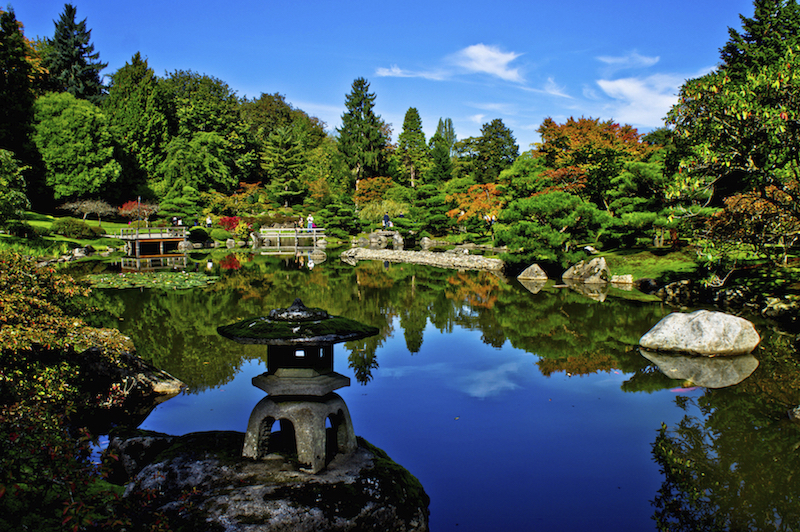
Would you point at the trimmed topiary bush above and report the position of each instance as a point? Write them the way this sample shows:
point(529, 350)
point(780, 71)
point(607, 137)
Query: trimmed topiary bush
point(77, 229)
point(198, 235)
point(220, 234)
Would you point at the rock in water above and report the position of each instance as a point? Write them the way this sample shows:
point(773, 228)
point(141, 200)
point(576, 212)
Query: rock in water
point(592, 272)
point(533, 272)
point(201, 483)
point(703, 333)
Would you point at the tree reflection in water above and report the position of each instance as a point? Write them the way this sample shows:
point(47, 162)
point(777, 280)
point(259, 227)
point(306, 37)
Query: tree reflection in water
point(737, 466)
point(732, 468)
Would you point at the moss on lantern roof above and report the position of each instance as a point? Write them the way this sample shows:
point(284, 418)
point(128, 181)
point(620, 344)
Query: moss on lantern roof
point(297, 325)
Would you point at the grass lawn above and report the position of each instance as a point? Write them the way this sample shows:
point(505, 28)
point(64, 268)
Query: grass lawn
point(655, 263)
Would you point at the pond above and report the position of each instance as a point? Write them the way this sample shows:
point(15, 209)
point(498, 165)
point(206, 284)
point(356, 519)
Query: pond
point(516, 410)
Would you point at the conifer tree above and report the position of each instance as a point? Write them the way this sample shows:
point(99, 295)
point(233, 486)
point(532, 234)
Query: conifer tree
point(412, 151)
point(361, 139)
point(441, 169)
point(496, 150)
point(73, 64)
point(764, 38)
point(445, 130)
point(284, 161)
point(16, 111)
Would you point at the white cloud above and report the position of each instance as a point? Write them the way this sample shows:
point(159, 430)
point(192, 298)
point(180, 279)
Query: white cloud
point(488, 60)
point(632, 60)
point(642, 101)
point(556, 90)
point(551, 88)
point(478, 119)
point(494, 107)
point(396, 72)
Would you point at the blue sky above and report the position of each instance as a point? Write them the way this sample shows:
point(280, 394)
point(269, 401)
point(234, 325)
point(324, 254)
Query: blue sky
point(469, 61)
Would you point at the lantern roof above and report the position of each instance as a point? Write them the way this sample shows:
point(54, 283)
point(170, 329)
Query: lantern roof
point(297, 325)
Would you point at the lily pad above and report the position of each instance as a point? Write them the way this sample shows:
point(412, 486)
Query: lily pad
point(155, 280)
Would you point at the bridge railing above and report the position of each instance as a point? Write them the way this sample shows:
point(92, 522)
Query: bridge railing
point(143, 233)
point(316, 232)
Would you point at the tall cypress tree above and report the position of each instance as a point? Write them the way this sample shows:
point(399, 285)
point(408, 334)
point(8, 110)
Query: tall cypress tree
point(445, 130)
point(361, 139)
point(73, 64)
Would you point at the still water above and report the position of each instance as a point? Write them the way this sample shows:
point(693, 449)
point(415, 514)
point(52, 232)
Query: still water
point(516, 410)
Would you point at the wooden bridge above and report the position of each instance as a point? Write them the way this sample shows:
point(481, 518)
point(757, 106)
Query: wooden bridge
point(277, 237)
point(152, 241)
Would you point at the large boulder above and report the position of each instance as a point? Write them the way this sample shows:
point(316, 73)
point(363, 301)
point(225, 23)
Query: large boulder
point(703, 332)
point(594, 271)
point(534, 272)
point(200, 482)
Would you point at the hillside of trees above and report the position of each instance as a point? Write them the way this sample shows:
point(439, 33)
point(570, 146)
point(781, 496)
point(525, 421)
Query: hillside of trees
point(722, 172)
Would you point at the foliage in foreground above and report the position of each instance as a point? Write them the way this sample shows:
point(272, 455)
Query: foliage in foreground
point(47, 481)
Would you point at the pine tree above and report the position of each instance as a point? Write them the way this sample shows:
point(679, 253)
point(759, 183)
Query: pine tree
point(764, 39)
point(497, 149)
point(16, 111)
point(441, 169)
point(284, 161)
point(361, 139)
point(73, 64)
point(412, 151)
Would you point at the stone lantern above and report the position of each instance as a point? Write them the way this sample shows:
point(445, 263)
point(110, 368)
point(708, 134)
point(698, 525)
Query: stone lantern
point(299, 381)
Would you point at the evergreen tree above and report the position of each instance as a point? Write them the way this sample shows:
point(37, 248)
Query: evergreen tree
point(441, 169)
point(445, 130)
point(284, 161)
point(496, 150)
point(412, 151)
point(16, 95)
point(73, 64)
point(137, 110)
point(361, 139)
point(764, 38)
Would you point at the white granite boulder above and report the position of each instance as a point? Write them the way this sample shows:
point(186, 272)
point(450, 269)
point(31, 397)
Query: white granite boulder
point(704, 333)
point(533, 272)
point(594, 271)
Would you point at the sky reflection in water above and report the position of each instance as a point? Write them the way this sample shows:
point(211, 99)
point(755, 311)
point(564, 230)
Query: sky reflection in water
point(497, 445)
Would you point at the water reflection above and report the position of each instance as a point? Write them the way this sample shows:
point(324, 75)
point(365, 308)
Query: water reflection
point(714, 372)
point(517, 384)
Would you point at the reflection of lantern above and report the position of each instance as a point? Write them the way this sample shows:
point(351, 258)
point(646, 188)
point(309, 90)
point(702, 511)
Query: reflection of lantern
point(299, 382)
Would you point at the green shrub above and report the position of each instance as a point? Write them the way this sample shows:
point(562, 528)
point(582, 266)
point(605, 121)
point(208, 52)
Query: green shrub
point(198, 234)
point(21, 229)
point(77, 229)
point(220, 234)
